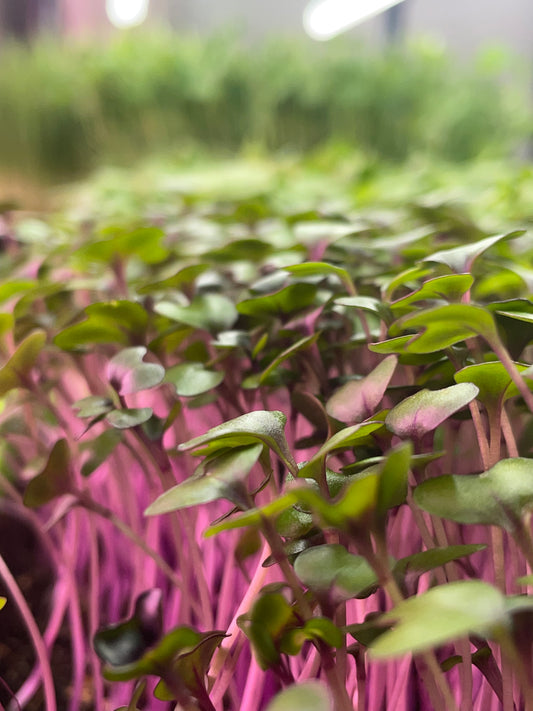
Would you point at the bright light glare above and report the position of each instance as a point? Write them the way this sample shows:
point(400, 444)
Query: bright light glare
point(324, 19)
point(127, 13)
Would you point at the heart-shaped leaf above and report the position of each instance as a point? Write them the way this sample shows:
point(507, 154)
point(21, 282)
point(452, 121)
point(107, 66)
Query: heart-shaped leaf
point(498, 496)
point(221, 474)
point(129, 417)
point(441, 615)
point(427, 409)
point(128, 374)
point(358, 399)
point(191, 379)
point(54, 480)
point(309, 695)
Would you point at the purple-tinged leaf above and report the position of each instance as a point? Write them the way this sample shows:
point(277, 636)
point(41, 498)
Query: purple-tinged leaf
point(427, 409)
point(357, 400)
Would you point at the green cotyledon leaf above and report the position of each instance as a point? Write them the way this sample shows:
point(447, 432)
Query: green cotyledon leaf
point(440, 615)
point(309, 695)
point(500, 496)
point(221, 475)
point(192, 379)
point(461, 259)
point(263, 425)
point(122, 322)
point(444, 326)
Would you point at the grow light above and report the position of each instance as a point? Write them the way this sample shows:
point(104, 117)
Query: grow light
point(324, 19)
point(127, 13)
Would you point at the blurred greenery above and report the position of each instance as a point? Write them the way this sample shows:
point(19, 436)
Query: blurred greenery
point(65, 109)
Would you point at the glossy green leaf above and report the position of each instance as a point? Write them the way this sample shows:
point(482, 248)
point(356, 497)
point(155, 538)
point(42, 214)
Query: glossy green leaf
point(391, 345)
point(54, 480)
point(309, 695)
point(445, 326)
point(330, 568)
point(461, 259)
point(499, 496)
point(427, 409)
point(93, 406)
point(190, 665)
point(322, 269)
point(365, 303)
point(128, 373)
point(121, 322)
point(221, 474)
point(358, 399)
point(265, 624)
point(394, 473)
point(449, 287)
point(262, 425)
point(347, 437)
point(353, 505)
point(435, 558)
point(317, 628)
point(126, 642)
point(492, 380)
point(18, 367)
point(191, 379)
point(291, 299)
point(441, 615)
point(211, 312)
point(129, 417)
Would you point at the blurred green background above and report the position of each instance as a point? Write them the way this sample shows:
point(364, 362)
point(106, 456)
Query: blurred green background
point(66, 109)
